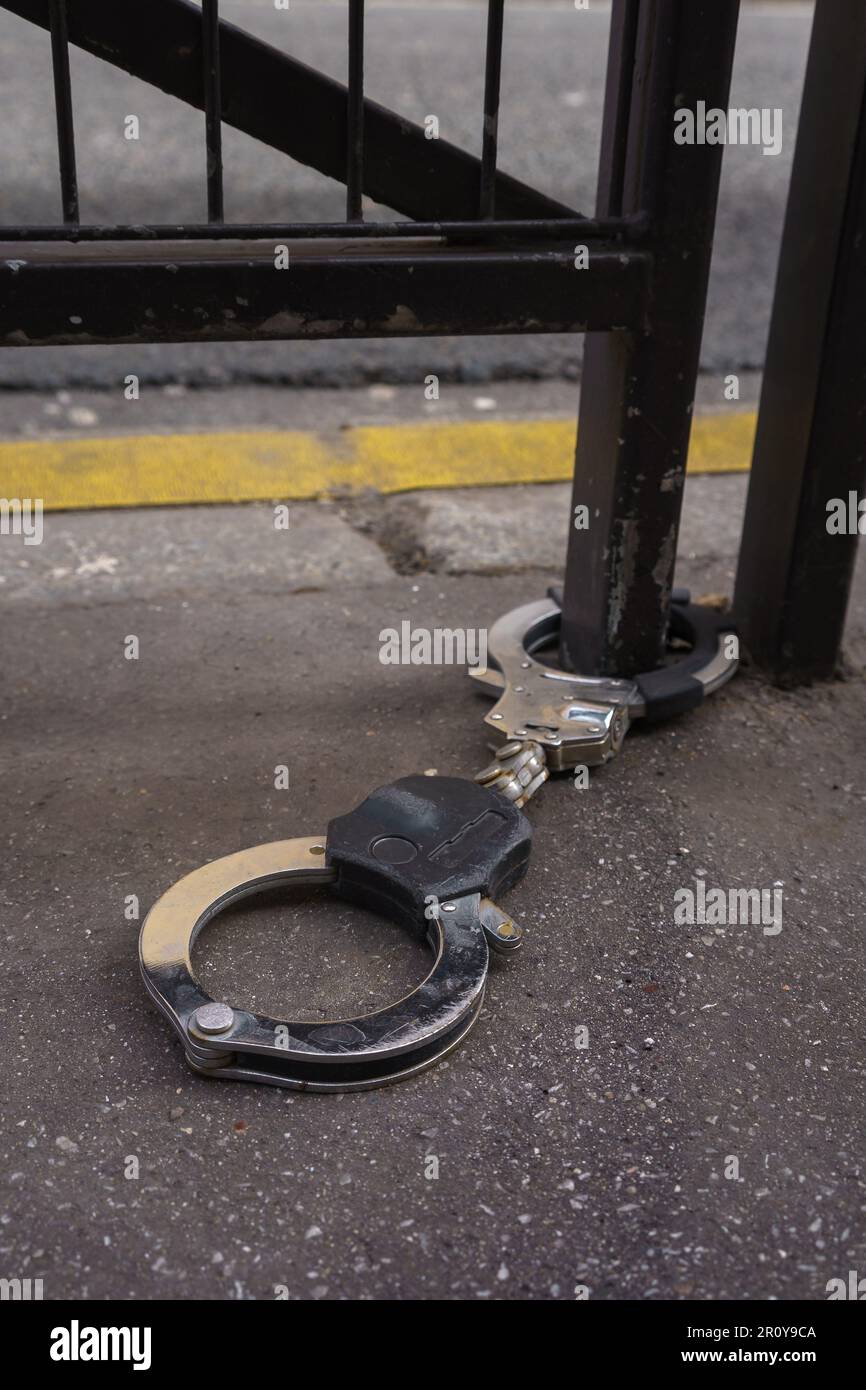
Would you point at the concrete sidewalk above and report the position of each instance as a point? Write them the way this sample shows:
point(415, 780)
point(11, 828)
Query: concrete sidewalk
point(557, 1167)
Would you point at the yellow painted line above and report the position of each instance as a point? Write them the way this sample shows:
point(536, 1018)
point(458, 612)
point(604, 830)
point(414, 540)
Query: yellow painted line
point(165, 470)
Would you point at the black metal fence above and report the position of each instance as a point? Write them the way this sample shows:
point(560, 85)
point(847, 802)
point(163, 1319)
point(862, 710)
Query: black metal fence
point(409, 276)
point(481, 253)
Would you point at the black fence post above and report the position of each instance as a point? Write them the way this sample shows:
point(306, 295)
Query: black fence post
point(794, 574)
point(638, 388)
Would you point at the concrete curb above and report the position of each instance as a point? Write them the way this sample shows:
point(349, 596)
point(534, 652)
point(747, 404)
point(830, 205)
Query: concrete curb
point(177, 469)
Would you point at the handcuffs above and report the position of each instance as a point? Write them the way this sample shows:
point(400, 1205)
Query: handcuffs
point(430, 853)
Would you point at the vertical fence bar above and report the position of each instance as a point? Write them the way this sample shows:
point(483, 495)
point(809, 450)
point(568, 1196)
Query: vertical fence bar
point(637, 389)
point(492, 82)
point(794, 574)
point(210, 21)
point(355, 115)
point(63, 108)
point(617, 101)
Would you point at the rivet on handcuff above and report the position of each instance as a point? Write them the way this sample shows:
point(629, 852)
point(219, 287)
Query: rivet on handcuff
point(430, 853)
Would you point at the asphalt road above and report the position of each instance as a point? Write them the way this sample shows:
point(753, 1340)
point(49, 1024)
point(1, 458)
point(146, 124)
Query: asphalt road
point(420, 60)
point(705, 1144)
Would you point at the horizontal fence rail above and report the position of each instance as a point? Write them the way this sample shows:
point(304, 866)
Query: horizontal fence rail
point(631, 229)
point(386, 291)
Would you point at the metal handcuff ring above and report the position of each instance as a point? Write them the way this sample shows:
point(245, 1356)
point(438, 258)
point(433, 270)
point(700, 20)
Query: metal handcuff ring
point(455, 839)
point(584, 719)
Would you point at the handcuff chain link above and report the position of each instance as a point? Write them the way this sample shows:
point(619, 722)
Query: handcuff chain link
point(517, 771)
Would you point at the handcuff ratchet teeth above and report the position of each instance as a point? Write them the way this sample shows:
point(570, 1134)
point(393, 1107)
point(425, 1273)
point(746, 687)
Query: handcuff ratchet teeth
point(432, 854)
point(570, 719)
